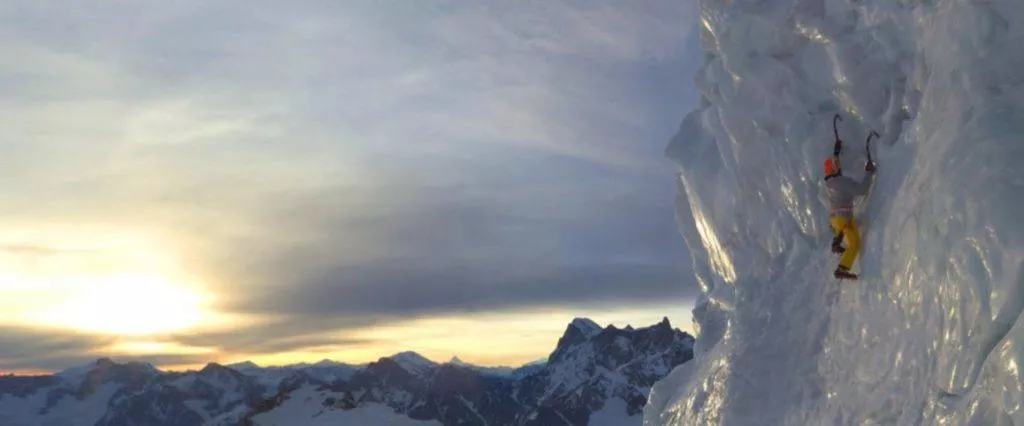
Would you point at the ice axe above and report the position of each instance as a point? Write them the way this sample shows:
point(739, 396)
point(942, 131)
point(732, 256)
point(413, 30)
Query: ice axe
point(867, 145)
point(839, 142)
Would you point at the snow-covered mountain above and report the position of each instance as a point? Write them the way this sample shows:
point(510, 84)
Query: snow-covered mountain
point(930, 334)
point(498, 371)
point(270, 377)
point(82, 396)
point(601, 376)
point(594, 376)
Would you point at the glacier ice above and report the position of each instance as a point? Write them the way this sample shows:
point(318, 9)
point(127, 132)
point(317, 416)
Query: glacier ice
point(930, 333)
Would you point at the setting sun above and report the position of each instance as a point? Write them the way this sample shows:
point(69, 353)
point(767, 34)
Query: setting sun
point(106, 281)
point(128, 304)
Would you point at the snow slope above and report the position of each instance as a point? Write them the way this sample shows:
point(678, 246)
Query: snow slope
point(305, 407)
point(64, 410)
point(929, 335)
point(614, 413)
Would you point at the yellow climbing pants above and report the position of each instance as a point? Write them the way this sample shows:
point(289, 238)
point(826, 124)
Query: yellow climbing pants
point(848, 227)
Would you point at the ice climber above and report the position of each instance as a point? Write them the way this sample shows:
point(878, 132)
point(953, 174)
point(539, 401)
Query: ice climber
point(841, 192)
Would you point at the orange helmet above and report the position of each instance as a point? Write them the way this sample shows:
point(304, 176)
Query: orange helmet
point(831, 166)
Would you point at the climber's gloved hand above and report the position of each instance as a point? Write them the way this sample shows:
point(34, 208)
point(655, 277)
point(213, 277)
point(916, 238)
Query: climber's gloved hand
point(870, 166)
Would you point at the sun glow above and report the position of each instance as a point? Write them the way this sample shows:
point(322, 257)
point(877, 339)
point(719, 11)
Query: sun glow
point(116, 283)
point(147, 347)
point(124, 304)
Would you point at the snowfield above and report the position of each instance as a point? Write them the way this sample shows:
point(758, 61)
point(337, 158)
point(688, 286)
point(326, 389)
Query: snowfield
point(305, 407)
point(66, 410)
point(929, 334)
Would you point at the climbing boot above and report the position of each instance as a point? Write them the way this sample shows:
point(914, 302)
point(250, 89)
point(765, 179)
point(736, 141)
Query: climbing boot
point(844, 274)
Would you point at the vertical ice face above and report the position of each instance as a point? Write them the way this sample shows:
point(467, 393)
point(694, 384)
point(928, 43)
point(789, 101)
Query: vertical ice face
point(929, 334)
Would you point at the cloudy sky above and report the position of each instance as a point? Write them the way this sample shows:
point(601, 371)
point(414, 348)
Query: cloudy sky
point(197, 181)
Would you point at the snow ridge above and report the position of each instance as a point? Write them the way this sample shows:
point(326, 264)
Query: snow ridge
point(491, 371)
point(413, 362)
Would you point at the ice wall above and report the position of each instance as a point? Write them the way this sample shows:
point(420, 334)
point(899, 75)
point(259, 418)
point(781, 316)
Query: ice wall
point(929, 335)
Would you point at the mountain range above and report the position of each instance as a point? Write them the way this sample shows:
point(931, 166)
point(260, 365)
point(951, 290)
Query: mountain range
point(595, 375)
